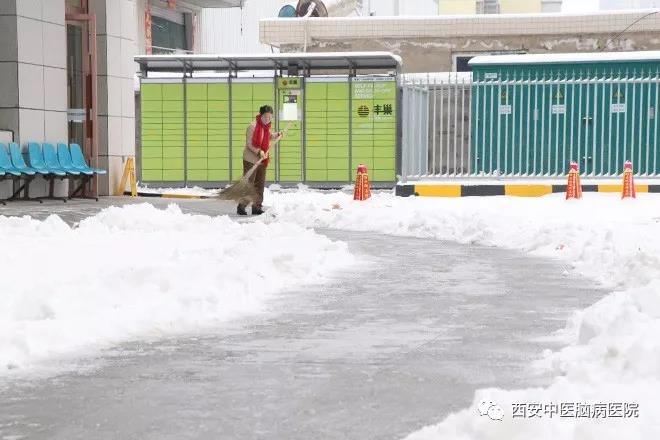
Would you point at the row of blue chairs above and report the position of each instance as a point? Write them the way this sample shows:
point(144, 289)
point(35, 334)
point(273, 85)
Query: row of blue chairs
point(63, 162)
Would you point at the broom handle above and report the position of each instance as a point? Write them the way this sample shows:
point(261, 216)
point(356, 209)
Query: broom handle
point(276, 141)
point(254, 167)
point(288, 126)
point(283, 132)
point(249, 173)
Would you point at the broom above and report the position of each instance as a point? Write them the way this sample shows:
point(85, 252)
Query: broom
point(243, 189)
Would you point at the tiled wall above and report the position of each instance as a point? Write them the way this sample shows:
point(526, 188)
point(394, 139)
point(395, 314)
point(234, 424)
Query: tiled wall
point(33, 89)
point(33, 83)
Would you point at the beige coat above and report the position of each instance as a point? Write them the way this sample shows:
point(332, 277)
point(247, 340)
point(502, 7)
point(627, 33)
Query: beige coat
point(251, 153)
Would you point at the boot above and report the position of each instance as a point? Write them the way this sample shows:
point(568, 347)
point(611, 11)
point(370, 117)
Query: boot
point(240, 210)
point(257, 210)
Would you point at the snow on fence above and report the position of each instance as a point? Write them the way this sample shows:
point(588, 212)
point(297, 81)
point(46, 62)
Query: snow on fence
point(530, 126)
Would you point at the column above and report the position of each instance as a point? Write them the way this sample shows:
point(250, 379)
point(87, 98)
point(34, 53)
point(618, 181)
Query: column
point(116, 34)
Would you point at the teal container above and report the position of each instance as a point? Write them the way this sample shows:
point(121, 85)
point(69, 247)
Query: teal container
point(533, 115)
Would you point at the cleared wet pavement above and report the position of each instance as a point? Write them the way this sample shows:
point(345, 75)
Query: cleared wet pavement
point(74, 210)
point(381, 350)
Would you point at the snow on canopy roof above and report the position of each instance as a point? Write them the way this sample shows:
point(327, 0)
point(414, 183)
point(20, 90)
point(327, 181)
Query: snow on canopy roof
point(565, 58)
point(275, 61)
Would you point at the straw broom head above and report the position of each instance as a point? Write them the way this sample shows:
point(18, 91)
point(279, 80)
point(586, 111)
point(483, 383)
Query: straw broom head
point(243, 190)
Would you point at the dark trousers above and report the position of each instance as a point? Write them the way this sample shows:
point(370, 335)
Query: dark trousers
point(258, 179)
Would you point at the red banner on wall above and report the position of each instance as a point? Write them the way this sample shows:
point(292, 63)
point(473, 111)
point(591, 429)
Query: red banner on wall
point(147, 29)
point(193, 45)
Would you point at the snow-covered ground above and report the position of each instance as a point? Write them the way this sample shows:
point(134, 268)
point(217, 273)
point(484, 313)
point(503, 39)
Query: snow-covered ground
point(612, 353)
point(158, 275)
point(137, 272)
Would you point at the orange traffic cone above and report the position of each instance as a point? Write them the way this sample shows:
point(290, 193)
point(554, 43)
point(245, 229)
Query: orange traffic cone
point(573, 187)
point(362, 190)
point(628, 182)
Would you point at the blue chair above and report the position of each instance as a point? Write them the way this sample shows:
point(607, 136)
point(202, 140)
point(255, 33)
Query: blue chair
point(86, 174)
point(79, 162)
point(5, 163)
point(2, 177)
point(7, 169)
point(53, 162)
point(37, 161)
point(36, 156)
point(18, 164)
point(66, 161)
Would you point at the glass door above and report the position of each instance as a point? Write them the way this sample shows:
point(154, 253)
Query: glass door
point(76, 78)
point(82, 80)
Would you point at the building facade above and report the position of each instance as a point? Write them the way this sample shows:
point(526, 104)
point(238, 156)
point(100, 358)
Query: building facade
point(398, 7)
point(629, 4)
point(457, 7)
point(443, 44)
point(466, 7)
point(68, 73)
point(236, 30)
point(68, 77)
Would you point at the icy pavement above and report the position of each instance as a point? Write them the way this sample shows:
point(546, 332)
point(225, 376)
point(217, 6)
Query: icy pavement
point(75, 210)
point(376, 353)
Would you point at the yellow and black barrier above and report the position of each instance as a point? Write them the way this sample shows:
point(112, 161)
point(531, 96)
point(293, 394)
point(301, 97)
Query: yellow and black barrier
point(168, 196)
point(516, 190)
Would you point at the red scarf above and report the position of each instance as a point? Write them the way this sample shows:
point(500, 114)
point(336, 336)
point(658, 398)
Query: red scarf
point(261, 137)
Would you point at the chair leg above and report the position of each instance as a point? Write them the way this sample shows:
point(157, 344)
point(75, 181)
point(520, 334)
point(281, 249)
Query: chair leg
point(78, 189)
point(51, 192)
point(87, 185)
point(84, 180)
point(26, 198)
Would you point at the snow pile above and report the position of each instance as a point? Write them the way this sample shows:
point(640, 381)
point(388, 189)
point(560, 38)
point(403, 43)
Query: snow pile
point(613, 351)
point(186, 191)
point(138, 272)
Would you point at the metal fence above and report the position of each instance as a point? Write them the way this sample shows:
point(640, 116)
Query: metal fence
point(530, 127)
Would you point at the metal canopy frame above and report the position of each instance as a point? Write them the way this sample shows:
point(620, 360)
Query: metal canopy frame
point(307, 64)
point(350, 62)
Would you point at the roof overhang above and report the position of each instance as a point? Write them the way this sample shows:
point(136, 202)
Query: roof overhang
point(281, 61)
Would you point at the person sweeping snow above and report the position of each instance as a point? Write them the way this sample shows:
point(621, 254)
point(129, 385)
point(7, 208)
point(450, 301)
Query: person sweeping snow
point(257, 146)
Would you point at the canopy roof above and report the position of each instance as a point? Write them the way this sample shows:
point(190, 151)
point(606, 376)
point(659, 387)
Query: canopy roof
point(279, 61)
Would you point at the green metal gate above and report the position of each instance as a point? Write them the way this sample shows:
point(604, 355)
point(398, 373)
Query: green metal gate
point(533, 119)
